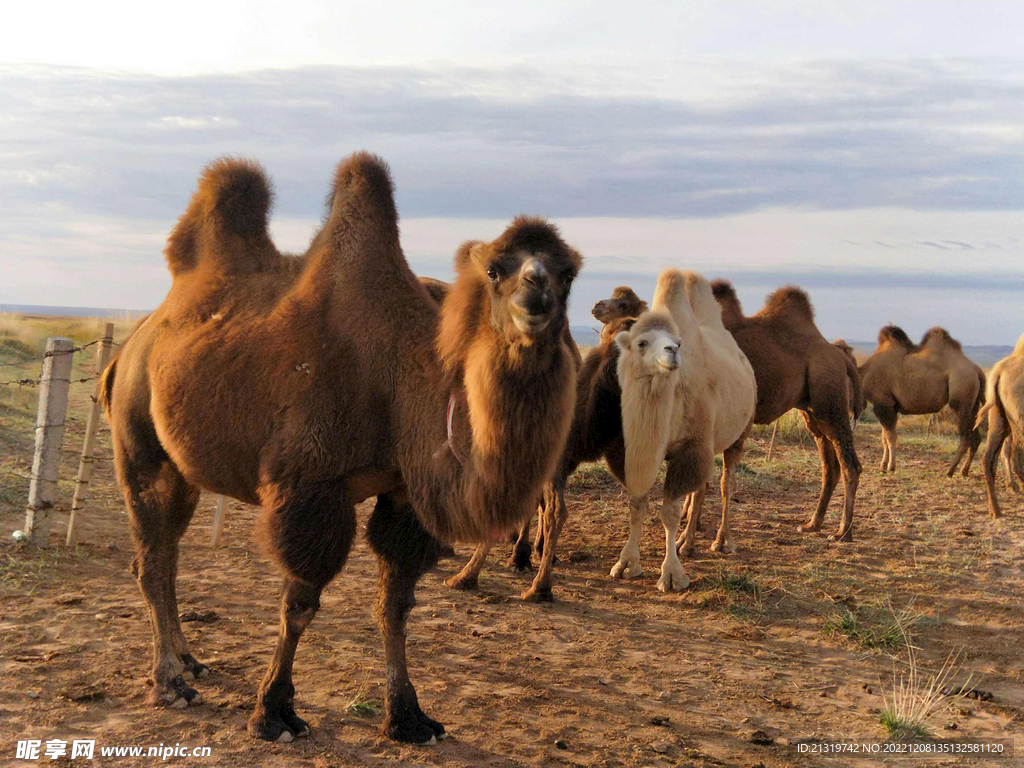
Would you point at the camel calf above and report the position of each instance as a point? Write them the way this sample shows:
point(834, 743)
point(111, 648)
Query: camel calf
point(688, 393)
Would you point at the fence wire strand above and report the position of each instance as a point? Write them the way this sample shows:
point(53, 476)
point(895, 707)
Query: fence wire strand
point(33, 382)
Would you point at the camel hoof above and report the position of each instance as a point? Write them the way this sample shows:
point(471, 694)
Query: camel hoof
point(534, 595)
point(841, 538)
point(414, 728)
point(725, 548)
point(175, 694)
point(809, 528)
point(673, 582)
point(624, 569)
point(285, 738)
point(686, 550)
point(517, 567)
point(462, 583)
point(193, 667)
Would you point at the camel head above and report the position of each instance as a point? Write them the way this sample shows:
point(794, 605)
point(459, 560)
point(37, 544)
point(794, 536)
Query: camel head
point(524, 276)
point(651, 346)
point(623, 303)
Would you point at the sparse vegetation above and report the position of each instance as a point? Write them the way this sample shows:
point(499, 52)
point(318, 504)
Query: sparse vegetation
point(917, 698)
point(874, 628)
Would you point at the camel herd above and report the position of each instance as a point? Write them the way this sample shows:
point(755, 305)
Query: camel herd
point(309, 383)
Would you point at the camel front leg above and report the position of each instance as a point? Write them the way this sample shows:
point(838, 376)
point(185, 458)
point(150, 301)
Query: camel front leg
point(469, 576)
point(405, 551)
point(519, 560)
point(723, 542)
point(629, 559)
point(673, 579)
point(274, 718)
point(887, 418)
point(553, 515)
point(1008, 465)
point(686, 543)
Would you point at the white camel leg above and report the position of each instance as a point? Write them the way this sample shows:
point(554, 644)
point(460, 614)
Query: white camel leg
point(672, 577)
point(629, 558)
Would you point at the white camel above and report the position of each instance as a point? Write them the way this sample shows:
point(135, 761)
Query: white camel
point(688, 394)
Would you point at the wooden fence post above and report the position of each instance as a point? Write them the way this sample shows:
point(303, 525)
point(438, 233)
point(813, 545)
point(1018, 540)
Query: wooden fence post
point(218, 523)
point(86, 462)
point(771, 443)
point(53, 405)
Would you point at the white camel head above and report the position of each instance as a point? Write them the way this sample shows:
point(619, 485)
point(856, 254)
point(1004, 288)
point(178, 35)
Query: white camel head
point(652, 346)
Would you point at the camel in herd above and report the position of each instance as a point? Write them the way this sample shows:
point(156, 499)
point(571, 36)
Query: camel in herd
point(309, 384)
point(688, 394)
point(796, 367)
point(595, 434)
point(1004, 408)
point(622, 303)
point(903, 377)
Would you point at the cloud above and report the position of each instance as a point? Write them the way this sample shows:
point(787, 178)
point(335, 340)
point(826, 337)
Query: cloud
point(475, 142)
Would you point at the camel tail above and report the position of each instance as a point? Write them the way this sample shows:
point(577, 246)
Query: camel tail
point(107, 386)
point(858, 401)
point(230, 206)
point(361, 208)
point(988, 395)
point(670, 296)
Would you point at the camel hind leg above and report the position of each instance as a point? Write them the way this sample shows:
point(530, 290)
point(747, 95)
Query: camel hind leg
point(160, 506)
point(970, 438)
point(997, 433)
point(469, 577)
point(730, 458)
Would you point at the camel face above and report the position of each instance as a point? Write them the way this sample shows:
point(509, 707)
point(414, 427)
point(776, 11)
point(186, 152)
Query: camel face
point(655, 351)
point(528, 286)
point(623, 303)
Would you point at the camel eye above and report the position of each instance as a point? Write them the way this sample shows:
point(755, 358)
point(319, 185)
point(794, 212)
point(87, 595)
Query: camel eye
point(493, 274)
point(567, 278)
point(642, 344)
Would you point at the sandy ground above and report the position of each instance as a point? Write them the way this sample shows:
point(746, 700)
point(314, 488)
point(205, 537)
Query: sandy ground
point(615, 672)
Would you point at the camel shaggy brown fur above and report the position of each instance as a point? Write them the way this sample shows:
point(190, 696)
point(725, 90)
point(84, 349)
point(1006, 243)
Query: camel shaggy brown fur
point(856, 394)
point(1004, 408)
point(595, 434)
point(307, 385)
point(903, 377)
point(688, 394)
point(796, 367)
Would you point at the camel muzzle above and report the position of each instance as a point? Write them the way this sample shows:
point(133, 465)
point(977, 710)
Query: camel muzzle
point(668, 359)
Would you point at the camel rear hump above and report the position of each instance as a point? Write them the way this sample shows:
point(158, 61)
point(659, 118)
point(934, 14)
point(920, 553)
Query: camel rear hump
point(362, 219)
point(702, 300)
point(790, 302)
point(226, 220)
point(670, 297)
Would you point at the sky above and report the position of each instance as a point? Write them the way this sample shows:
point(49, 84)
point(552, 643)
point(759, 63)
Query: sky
point(872, 152)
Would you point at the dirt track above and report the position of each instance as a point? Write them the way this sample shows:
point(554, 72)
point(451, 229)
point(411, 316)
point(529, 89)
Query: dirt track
point(747, 648)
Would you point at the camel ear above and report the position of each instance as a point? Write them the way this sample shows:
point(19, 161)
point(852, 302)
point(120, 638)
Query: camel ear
point(479, 253)
point(623, 339)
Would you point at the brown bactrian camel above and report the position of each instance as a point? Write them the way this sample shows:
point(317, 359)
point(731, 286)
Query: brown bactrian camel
point(688, 394)
point(595, 434)
point(1004, 408)
point(796, 367)
point(307, 385)
point(903, 377)
point(622, 303)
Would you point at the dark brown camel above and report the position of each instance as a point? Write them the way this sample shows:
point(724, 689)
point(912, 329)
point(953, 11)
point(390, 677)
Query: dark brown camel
point(309, 384)
point(596, 433)
point(597, 425)
point(904, 377)
point(796, 367)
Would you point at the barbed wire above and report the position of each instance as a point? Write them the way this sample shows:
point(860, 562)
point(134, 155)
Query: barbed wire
point(33, 382)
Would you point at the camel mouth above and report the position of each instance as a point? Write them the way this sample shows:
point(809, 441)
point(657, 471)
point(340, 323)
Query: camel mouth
point(668, 361)
point(531, 325)
point(600, 312)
